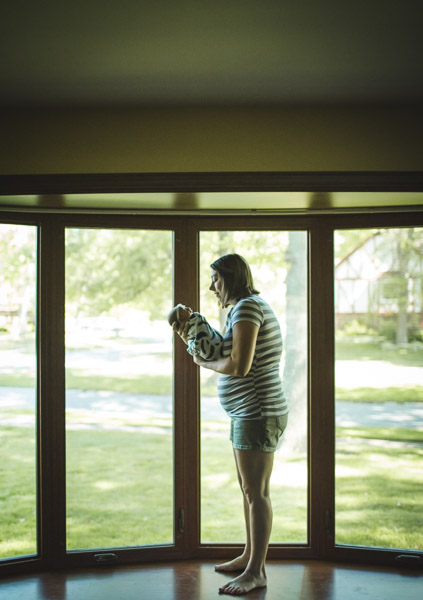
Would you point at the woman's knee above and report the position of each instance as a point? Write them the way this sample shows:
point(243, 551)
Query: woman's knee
point(255, 491)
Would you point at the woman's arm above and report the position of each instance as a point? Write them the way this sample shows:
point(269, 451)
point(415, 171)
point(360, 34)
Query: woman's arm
point(239, 362)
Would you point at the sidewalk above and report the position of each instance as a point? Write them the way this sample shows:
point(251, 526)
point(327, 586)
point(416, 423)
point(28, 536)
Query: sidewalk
point(137, 406)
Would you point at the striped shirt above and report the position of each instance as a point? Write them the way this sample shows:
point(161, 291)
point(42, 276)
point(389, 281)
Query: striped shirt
point(259, 394)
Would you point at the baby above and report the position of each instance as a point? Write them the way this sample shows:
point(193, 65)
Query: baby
point(203, 340)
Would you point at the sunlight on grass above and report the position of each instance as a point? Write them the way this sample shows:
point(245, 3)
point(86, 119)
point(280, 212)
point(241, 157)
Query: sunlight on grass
point(346, 471)
point(381, 433)
point(15, 547)
point(289, 473)
point(217, 479)
point(135, 383)
point(106, 486)
point(378, 496)
point(365, 351)
point(381, 394)
point(120, 489)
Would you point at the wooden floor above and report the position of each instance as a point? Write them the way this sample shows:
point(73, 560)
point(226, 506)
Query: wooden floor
point(195, 580)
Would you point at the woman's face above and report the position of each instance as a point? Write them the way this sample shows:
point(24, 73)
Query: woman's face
point(216, 285)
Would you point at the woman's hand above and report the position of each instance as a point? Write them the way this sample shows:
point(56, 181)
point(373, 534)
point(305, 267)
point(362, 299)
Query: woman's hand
point(198, 360)
point(239, 362)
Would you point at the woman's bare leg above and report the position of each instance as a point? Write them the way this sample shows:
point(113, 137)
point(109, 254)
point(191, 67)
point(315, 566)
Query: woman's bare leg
point(255, 469)
point(239, 563)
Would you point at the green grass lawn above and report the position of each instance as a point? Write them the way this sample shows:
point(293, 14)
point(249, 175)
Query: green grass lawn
point(393, 434)
point(379, 500)
point(143, 383)
point(374, 351)
point(17, 491)
point(406, 393)
point(80, 380)
point(120, 491)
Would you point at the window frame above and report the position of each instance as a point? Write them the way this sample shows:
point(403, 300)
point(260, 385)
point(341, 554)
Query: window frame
point(186, 227)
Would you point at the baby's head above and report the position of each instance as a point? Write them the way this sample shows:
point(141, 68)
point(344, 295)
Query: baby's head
point(179, 314)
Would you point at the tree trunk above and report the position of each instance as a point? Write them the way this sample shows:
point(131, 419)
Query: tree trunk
point(224, 238)
point(295, 370)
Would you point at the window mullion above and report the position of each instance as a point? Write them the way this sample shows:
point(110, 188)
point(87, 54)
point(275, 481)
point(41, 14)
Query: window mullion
point(186, 394)
point(51, 393)
point(322, 390)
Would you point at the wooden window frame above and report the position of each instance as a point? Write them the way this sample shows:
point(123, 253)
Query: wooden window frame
point(50, 345)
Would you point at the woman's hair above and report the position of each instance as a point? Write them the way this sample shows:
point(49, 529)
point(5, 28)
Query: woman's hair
point(237, 278)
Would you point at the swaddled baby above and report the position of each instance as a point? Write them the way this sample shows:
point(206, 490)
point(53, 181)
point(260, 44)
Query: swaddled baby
point(203, 340)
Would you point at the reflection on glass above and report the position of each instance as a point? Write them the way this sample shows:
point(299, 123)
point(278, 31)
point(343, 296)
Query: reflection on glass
point(18, 530)
point(379, 387)
point(278, 262)
point(119, 411)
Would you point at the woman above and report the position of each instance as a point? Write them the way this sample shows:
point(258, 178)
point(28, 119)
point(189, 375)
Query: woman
point(251, 393)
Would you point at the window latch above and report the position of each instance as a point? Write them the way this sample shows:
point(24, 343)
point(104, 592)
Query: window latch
point(181, 520)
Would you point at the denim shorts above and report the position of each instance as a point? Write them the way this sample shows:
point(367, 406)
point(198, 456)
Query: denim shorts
point(261, 434)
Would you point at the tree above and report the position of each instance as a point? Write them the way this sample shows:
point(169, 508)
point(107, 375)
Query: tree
point(264, 251)
point(402, 248)
point(107, 268)
point(18, 272)
point(348, 240)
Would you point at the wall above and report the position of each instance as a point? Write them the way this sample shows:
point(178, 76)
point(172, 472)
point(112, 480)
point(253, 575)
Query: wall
point(100, 140)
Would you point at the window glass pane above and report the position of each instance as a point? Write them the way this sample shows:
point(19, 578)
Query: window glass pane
point(379, 387)
point(278, 261)
point(18, 497)
point(119, 413)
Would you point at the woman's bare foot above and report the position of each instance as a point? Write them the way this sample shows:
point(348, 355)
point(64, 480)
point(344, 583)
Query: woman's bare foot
point(238, 564)
point(243, 583)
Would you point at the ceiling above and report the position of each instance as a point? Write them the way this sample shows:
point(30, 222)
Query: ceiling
point(210, 52)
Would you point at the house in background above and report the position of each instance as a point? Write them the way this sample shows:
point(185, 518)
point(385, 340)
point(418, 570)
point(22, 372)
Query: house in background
point(380, 285)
